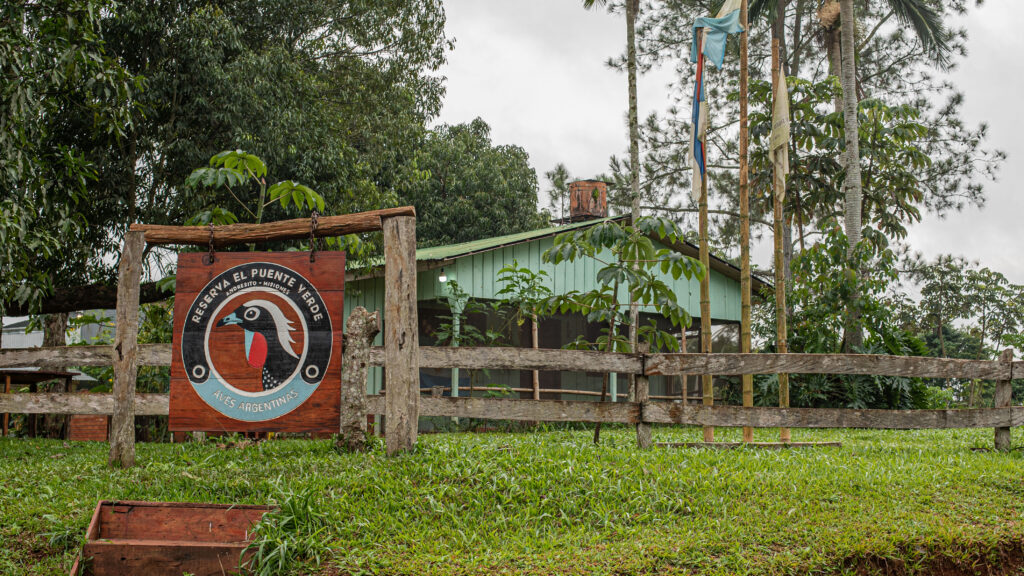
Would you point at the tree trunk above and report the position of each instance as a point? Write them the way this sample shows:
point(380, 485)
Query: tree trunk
point(362, 328)
point(55, 328)
point(853, 192)
point(632, 8)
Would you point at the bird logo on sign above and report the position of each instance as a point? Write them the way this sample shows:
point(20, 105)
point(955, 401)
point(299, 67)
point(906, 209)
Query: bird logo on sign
point(286, 338)
point(268, 340)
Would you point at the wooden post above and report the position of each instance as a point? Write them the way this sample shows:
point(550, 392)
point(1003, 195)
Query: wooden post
point(780, 273)
point(707, 384)
point(401, 334)
point(361, 328)
point(126, 344)
point(683, 377)
point(747, 379)
point(643, 396)
point(536, 373)
point(7, 390)
point(1004, 399)
point(33, 419)
point(456, 331)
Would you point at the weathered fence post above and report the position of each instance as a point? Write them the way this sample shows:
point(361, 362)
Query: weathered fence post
point(360, 330)
point(1004, 399)
point(643, 396)
point(126, 345)
point(401, 334)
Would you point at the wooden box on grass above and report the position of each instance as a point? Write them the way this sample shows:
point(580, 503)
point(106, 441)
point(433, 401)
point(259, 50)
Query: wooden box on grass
point(158, 538)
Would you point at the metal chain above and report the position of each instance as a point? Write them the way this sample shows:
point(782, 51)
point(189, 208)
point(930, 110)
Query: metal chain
point(213, 258)
point(314, 221)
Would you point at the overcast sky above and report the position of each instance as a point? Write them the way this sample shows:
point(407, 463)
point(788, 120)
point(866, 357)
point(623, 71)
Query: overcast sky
point(535, 71)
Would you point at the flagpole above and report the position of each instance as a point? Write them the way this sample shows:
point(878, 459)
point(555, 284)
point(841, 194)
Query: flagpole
point(747, 379)
point(724, 24)
point(707, 384)
point(780, 274)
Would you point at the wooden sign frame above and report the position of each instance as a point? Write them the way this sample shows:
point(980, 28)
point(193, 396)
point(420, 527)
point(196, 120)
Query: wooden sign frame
point(257, 342)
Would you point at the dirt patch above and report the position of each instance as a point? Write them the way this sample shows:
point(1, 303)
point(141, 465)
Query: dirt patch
point(1005, 560)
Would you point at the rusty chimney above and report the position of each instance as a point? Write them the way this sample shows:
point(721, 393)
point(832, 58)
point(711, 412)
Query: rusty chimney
point(588, 199)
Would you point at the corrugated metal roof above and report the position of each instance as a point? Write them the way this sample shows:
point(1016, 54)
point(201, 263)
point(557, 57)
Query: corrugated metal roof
point(442, 253)
point(455, 250)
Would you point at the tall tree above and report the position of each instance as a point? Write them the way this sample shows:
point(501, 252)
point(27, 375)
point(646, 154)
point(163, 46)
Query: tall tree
point(632, 11)
point(927, 24)
point(334, 94)
point(472, 189)
point(852, 186)
point(558, 190)
point(893, 66)
point(56, 68)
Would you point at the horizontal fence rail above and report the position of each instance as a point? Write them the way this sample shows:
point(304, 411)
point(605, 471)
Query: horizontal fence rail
point(586, 361)
point(71, 403)
point(566, 411)
point(862, 364)
point(521, 359)
point(724, 364)
point(61, 356)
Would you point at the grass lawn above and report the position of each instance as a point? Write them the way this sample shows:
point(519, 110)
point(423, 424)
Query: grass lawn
point(553, 503)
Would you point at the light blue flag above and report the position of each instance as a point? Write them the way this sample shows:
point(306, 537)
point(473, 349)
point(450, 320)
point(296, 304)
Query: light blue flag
point(717, 30)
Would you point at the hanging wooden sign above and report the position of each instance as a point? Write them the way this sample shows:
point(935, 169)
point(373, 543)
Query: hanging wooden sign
point(257, 342)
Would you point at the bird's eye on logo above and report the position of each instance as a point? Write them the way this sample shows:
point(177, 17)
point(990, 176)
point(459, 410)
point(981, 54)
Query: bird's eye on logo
point(252, 313)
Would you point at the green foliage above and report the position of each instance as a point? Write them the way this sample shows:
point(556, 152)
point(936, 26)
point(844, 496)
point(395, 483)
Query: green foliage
point(62, 92)
point(525, 291)
point(332, 94)
point(820, 292)
point(471, 188)
point(236, 171)
point(952, 160)
point(290, 536)
point(551, 502)
point(558, 190)
point(455, 330)
point(628, 258)
point(894, 154)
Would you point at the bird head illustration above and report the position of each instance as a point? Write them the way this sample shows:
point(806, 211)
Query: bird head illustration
point(268, 340)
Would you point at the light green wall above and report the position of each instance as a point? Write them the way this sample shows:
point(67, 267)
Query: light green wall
point(477, 274)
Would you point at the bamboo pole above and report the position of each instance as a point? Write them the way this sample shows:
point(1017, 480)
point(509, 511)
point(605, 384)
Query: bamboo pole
point(780, 273)
point(707, 384)
point(747, 379)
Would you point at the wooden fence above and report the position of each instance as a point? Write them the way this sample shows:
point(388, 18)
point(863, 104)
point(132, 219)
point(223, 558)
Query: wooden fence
point(1001, 418)
point(401, 356)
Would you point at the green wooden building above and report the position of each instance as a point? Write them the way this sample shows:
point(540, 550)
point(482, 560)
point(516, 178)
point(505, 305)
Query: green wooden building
point(475, 266)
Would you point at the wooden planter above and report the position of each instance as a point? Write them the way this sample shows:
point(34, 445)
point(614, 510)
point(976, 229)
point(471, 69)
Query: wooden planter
point(165, 538)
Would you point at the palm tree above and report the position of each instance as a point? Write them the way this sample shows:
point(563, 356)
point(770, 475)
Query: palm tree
point(926, 21)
